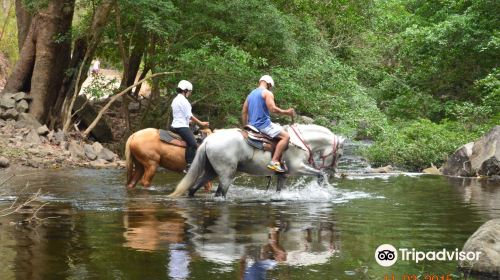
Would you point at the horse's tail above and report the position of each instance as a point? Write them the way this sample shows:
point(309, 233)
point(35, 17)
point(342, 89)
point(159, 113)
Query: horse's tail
point(195, 171)
point(129, 163)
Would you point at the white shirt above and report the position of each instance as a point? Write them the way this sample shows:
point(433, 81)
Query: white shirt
point(95, 65)
point(181, 110)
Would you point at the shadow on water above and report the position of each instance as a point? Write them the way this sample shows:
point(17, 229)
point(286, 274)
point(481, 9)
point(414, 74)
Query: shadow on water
point(103, 231)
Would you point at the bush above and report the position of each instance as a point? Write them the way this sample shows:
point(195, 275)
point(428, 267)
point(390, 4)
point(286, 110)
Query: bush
point(414, 146)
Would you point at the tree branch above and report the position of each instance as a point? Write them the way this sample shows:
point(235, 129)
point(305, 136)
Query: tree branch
point(115, 97)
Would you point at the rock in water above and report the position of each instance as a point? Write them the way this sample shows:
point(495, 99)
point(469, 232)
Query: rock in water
point(485, 240)
point(485, 159)
point(458, 164)
point(432, 170)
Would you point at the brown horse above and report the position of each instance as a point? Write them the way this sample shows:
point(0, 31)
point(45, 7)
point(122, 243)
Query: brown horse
point(145, 151)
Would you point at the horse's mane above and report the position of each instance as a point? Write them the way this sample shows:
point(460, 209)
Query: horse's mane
point(321, 129)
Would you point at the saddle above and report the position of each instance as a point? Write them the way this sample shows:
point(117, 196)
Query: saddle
point(172, 138)
point(257, 139)
point(175, 139)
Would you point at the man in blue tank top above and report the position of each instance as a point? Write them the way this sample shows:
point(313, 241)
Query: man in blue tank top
point(256, 113)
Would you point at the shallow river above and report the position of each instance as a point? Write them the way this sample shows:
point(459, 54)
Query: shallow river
point(96, 229)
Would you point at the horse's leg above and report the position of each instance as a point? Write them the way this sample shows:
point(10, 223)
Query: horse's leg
point(281, 182)
point(269, 180)
point(322, 178)
point(208, 175)
point(225, 180)
point(149, 172)
point(137, 174)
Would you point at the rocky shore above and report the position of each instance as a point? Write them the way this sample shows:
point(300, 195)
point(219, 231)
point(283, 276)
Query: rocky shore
point(24, 142)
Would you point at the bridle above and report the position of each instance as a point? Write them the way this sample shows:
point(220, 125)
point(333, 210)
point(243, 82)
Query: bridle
point(335, 144)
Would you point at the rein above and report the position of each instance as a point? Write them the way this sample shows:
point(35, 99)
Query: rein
point(322, 157)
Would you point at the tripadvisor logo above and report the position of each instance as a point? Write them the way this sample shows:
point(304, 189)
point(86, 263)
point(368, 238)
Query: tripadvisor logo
point(387, 255)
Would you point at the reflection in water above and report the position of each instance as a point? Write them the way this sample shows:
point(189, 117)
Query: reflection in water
point(254, 267)
point(147, 228)
point(221, 234)
point(107, 232)
point(482, 192)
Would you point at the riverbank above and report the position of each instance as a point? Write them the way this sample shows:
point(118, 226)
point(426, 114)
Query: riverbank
point(23, 145)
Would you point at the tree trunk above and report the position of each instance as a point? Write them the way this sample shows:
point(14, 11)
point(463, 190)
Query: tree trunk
point(83, 45)
point(20, 79)
point(23, 23)
point(130, 73)
point(44, 55)
point(52, 57)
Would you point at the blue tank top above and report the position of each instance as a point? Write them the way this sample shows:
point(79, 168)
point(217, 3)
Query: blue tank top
point(258, 114)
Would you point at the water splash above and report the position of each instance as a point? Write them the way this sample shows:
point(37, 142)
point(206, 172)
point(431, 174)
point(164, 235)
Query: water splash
point(302, 190)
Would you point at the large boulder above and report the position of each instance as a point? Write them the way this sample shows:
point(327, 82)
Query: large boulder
point(102, 131)
point(485, 240)
point(458, 163)
point(478, 158)
point(485, 158)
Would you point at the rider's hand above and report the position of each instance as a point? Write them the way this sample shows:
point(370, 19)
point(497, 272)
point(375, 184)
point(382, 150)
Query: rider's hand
point(291, 112)
point(204, 124)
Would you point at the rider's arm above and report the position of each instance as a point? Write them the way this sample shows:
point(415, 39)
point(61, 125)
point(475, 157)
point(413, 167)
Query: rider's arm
point(269, 97)
point(200, 123)
point(244, 113)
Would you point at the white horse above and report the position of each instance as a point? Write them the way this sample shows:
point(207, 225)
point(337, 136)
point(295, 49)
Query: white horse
point(313, 151)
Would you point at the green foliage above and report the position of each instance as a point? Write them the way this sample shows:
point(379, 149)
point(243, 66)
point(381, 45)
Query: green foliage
point(220, 73)
point(8, 42)
point(417, 144)
point(419, 77)
point(489, 90)
point(100, 87)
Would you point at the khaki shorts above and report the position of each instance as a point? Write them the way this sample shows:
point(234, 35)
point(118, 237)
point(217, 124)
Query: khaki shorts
point(273, 130)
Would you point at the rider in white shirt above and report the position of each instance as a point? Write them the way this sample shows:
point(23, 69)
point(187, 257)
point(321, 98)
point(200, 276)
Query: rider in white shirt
point(181, 111)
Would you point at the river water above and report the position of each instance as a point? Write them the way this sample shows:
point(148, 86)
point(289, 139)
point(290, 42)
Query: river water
point(96, 229)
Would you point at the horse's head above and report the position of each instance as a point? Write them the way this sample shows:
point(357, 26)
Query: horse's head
point(328, 158)
point(324, 147)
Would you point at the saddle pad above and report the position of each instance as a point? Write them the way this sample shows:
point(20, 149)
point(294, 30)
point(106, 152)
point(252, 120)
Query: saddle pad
point(174, 135)
point(166, 136)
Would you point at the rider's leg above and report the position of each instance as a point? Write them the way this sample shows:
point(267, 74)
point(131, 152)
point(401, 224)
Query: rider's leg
point(188, 136)
point(281, 145)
